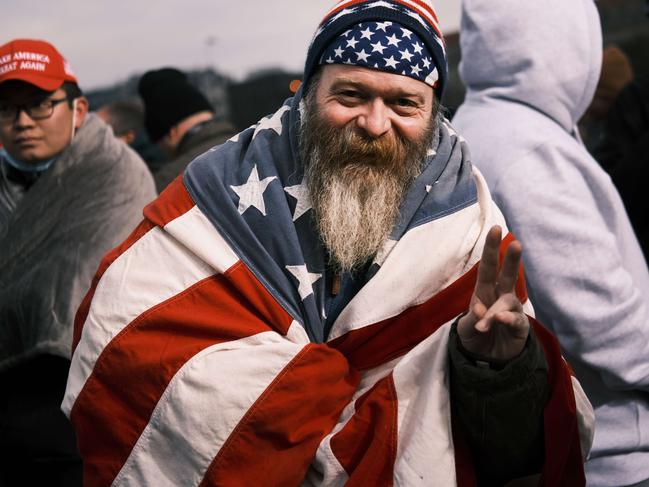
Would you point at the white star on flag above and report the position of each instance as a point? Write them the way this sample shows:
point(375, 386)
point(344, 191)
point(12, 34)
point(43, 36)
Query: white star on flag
point(378, 47)
point(274, 122)
point(393, 41)
point(366, 34)
point(391, 62)
point(301, 193)
point(339, 52)
point(252, 192)
point(383, 25)
point(305, 278)
point(405, 54)
point(362, 56)
point(352, 43)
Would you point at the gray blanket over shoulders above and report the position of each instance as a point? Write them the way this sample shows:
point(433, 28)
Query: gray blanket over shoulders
point(86, 204)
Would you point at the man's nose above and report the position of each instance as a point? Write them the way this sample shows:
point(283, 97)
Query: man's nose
point(375, 120)
point(22, 119)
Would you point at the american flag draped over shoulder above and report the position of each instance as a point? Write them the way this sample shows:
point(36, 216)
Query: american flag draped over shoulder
point(199, 353)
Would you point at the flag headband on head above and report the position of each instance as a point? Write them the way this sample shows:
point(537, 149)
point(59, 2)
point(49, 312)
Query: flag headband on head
point(416, 16)
point(385, 46)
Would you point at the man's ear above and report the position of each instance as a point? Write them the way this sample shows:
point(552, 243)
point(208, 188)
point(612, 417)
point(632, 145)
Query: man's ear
point(81, 110)
point(128, 137)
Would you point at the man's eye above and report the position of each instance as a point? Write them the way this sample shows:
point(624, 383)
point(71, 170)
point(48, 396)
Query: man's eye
point(406, 103)
point(350, 94)
point(44, 105)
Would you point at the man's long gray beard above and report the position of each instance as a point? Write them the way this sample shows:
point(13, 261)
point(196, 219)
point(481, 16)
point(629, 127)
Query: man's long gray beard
point(355, 209)
point(356, 186)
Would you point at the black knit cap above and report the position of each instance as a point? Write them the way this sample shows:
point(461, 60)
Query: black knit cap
point(416, 15)
point(168, 99)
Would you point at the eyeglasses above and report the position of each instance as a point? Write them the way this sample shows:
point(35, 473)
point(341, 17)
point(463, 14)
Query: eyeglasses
point(37, 110)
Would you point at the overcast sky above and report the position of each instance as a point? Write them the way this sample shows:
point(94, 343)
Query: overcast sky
point(108, 40)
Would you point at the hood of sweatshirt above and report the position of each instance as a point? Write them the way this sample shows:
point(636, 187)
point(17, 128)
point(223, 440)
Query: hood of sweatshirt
point(546, 55)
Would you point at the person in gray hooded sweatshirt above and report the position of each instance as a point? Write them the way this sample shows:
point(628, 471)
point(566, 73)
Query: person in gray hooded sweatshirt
point(531, 69)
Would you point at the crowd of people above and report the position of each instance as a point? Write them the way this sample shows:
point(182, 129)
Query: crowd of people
point(336, 294)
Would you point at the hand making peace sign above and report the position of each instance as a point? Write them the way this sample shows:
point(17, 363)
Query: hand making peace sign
point(495, 326)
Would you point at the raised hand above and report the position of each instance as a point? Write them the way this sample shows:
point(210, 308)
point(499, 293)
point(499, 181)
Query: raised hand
point(495, 326)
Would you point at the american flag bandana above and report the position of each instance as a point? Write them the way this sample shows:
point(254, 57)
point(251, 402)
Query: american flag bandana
point(386, 46)
point(417, 16)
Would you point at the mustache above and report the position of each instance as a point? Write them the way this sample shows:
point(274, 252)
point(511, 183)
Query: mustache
point(349, 147)
point(357, 146)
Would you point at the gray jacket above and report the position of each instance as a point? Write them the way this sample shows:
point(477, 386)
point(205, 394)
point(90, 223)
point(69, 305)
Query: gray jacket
point(55, 234)
point(531, 69)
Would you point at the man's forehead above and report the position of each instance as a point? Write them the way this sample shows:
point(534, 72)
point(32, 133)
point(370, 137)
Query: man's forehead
point(340, 75)
point(16, 91)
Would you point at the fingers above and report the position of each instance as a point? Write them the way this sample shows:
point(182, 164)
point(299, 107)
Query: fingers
point(509, 271)
point(466, 324)
point(507, 310)
point(488, 268)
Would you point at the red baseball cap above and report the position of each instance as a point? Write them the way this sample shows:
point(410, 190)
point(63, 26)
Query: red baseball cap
point(35, 62)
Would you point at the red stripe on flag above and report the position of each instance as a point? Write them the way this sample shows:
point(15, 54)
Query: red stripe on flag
point(563, 466)
point(366, 447)
point(141, 360)
point(427, 7)
point(341, 6)
point(276, 440)
point(381, 342)
point(426, 11)
point(375, 344)
point(172, 203)
point(84, 308)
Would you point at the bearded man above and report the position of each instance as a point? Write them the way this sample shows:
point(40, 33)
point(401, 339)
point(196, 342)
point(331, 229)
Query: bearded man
point(319, 300)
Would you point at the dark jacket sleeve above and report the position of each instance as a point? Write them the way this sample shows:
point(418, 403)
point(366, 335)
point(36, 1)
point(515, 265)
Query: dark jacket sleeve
point(624, 154)
point(500, 406)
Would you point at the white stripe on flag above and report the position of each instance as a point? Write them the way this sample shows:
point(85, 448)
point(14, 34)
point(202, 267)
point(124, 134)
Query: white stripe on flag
point(197, 233)
point(416, 268)
point(585, 418)
point(201, 407)
point(425, 442)
point(154, 269)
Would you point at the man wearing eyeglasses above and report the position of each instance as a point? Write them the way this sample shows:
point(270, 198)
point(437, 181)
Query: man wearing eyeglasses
point(69, 192)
